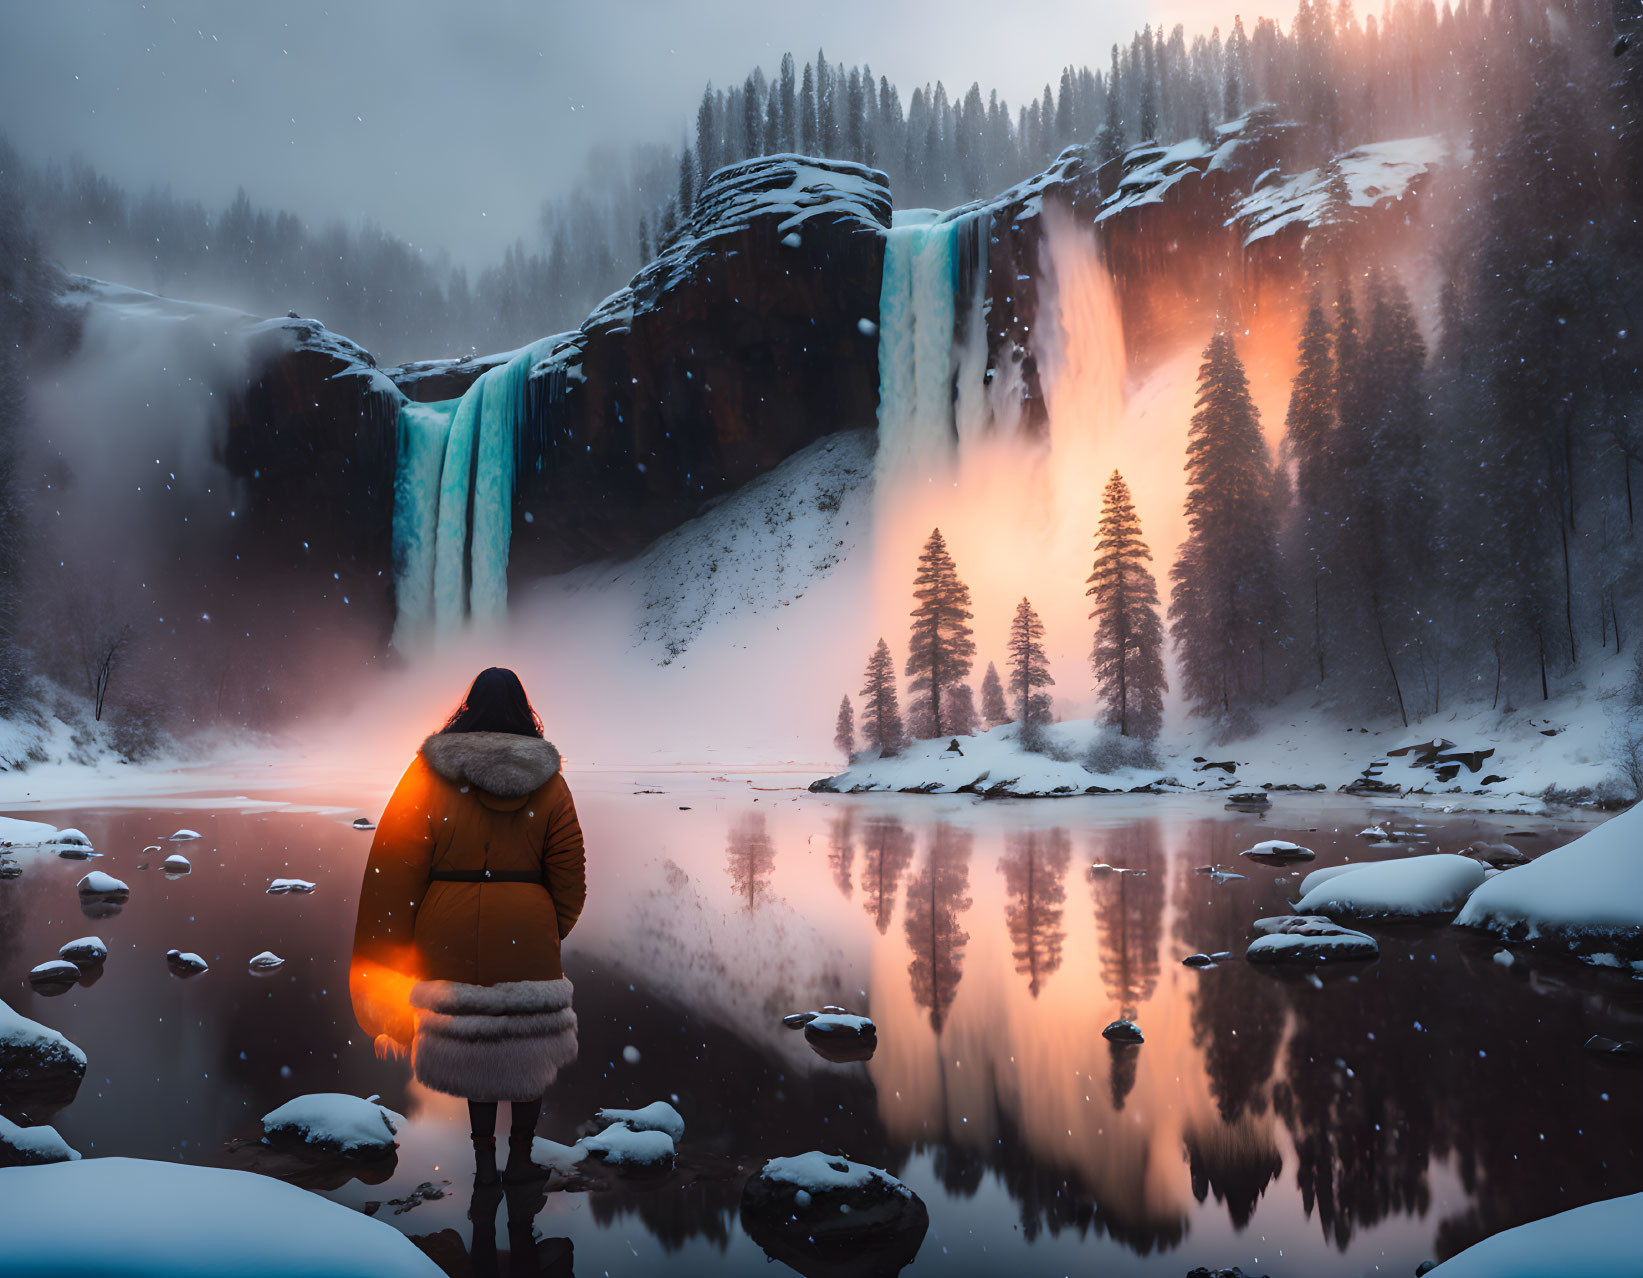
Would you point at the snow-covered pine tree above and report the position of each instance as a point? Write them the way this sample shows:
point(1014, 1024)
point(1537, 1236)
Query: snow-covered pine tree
point(993, 710)
point(1128, 656)
point(1029, 671)
point(941, 647)
point(1309, 437)
point(881, 717)
point(1225, 605)
point(844, 731)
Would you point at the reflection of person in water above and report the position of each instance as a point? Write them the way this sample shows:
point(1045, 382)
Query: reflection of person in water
point(475, 877)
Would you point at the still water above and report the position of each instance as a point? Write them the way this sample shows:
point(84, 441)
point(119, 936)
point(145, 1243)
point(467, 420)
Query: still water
point(1357, 1125)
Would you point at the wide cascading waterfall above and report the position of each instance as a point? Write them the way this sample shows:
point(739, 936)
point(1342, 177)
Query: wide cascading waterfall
point(453, 500)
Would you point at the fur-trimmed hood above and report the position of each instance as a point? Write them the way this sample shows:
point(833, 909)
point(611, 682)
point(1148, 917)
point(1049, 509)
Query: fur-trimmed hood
point(505, 764)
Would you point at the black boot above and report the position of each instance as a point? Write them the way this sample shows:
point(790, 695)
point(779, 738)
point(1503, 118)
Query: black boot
point(521, 1132)
point(482, 1122)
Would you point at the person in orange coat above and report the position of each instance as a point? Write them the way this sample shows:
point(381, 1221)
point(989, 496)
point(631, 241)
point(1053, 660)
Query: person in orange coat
point(476, 876)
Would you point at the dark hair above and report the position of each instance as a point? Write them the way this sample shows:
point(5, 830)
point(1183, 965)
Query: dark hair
point(495, 703)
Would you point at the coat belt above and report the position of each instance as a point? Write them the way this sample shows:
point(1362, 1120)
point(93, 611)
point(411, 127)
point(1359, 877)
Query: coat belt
point(485, 876)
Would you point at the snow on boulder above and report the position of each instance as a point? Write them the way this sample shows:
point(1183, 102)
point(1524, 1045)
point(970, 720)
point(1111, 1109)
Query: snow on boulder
point(185, 963)
point(177, 865)
point(267, 961)
point(1412, 887)
point(364, 823)
point(1499, 856)
point(1590, 889)
point(1278, 852)
point(836, 1035)
point(658, 1116)
point(18, 833)
point(55, 977)
point(40, 1070)
point(1325, 874)
point(183, 1221)
point(87, 951)
point(1599, 1240)
point(32, 1146)
point(1123, 1032)
point(98, 884)
point(71, 844)
point(182, 836)
point(334, 1122)
point(9, 869)
point(1304, 940)
point(622, 1147)
point(284, 887)
point(817, 1208)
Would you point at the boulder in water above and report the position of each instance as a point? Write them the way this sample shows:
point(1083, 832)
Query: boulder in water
point(176, 865)
point(1308, 940)
point(104, 887)
point(40, 1070)
point(1499, 856)
point(185, 963)
point(32, 1146)
point(1279, 852)
point(287, 887)
point(1124, 1032)
point(822, 1214)
point(87, 951)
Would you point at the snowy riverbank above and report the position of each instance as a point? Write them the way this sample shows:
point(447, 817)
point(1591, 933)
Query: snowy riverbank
point(1473, 759)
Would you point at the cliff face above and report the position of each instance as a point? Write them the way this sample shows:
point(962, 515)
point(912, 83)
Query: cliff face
point(749, 337)
point(752, 334)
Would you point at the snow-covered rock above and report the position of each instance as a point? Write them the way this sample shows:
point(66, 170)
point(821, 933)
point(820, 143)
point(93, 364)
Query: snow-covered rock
point(622, 1147)
point(1122, 1031)
point(86, 951)
point(334, 1122)
point(364, 823)
point(285, 887)
point(1412, 887)
point(818, 1205)
point(137, 1217)
point(40, 1070)
point(9, 868)
point(176, 865)
point(18, 833)
point(1325, 873)
point(1589, 889)
point(182, 836)
point(1308, 940)
point(267, 961)
point(1498, 856)
point(618, 1147)
point(836, 1035)
point(70, 844)
point(98, 884)
point(658, 1116)
point(185, 963)
point(32, 1146)
point(1278, 852)
point(1599, 1240)
point(54, 977)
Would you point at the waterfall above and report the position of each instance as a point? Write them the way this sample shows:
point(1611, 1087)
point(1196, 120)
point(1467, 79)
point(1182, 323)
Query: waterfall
point(453, 500)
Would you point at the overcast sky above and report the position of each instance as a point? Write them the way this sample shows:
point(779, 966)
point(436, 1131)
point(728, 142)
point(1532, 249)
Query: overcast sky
point(449, 122)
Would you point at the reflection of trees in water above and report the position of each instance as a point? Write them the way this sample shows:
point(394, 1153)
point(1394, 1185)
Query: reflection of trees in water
point(1050, 1196)
point(842, 848)
point(1035, 867)
point(674, 1214)
point(750, 860)
point(886, 852)
point(935, 899)
point(1237, 1012)
point(1129, 911)
point(1234, 1161)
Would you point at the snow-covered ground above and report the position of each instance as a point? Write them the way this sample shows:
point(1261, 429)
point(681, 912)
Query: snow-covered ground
point(1599, 1240)
point(1588, 891)
point(133, 1216)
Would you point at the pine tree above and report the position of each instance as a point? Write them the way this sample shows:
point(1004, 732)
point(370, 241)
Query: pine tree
point(942, 646)
point(993, 710)
point(881, 719)
point(844, 732)
point(687, 184)
point(1225, 604)
point(1309, 427)
point(1128, 656)
point(1029, 671)
point(707, 133)
point(808, 140)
